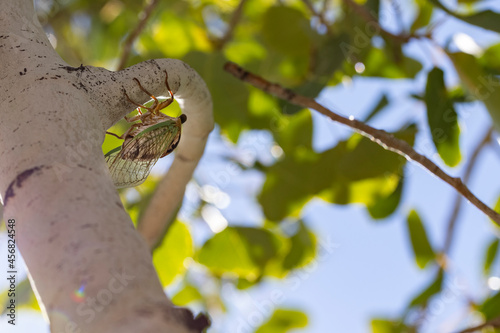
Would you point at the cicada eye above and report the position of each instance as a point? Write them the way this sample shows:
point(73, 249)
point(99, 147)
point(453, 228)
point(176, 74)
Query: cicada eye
point(174, 144)
point(183, 118)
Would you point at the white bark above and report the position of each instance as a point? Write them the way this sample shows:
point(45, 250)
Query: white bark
point(71, 227)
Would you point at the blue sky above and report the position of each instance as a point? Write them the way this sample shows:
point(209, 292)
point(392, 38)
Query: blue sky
point(370, 272)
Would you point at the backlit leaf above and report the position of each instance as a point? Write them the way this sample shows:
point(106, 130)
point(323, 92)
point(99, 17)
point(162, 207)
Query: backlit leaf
point(425, 295)
point(286, 30)
point(389, 326)
point(442, 118)
point(170, 256)
point(491, 255)
point(186, 295)
point(422, 248)
point(244, 252)
point(481, 85)
point(486, 19)
point(283, 321)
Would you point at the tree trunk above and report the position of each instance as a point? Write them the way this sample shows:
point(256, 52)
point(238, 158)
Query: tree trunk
point(89, 267)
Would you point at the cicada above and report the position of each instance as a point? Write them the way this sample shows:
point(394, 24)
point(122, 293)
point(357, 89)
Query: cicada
point(152, 136)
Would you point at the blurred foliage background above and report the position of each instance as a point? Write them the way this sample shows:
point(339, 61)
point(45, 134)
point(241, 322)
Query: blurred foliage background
point(307, 46)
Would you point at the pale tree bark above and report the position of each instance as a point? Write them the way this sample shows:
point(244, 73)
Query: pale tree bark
point(91, 270)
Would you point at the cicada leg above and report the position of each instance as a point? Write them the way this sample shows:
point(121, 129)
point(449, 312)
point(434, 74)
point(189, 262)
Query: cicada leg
point(113, 134)
point(170, 99)
point(140, 105)
point(134, 118)
point(153, 108)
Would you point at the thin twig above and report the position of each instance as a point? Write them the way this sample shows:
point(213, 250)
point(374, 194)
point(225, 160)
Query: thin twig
point(458, 198)
point(319, 15)
point(235, 19)
point(494, 323)
point(381, 137)
point(129, 41)
point(369, 18)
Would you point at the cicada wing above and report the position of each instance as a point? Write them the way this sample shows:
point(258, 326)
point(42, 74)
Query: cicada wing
point(128, 173)
point(131, 164)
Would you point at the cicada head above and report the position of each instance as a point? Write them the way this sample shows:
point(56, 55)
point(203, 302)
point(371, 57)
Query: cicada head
point(175, 142)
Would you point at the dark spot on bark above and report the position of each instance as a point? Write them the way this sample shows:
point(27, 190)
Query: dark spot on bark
point(80, 86)
point(14, 131)
point(186, 317)
point(70, 69)
point(18, 182)
point(88, 225)
point(290, 94)
point(40, 79)
point(182, 158)
point(25, 69)
point(51, 238)
point(75, 246)
point(143, 312)
point(9, 194)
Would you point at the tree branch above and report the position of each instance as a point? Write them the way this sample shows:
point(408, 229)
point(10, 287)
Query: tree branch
point(235, 18)
point(494, 323)
point(191, 92)
point(89, 267)
point(458, 198)
point(129, 41)
point(381, 137)
point(320, 15)
point(369, 18)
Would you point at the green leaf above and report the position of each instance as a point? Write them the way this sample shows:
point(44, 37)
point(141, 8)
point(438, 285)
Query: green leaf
point(250, 251)
point(186, 295)
point(381, 104)
point(322, 65)
point(355, 171)
point(384, 206)
point(283, 321)
point(294, 132)
point(384, 63)
point(373, 6)
point(422, 249)
point(491, 307)
point(389, 326)
point(487, 19)
point(482, 85)
point(491, 255)
point(442, 118)
point(172, 30)
point(303, 248)
point(169, 258)
point(424, 15)
point(24, 297)
point(425, 295)
point(490, 59)
point(229, 95)
point(286, 30)
point(496, 209)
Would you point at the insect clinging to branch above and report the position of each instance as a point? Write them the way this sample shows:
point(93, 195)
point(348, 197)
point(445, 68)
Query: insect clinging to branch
point(152, 136)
